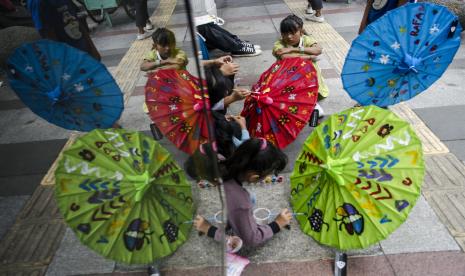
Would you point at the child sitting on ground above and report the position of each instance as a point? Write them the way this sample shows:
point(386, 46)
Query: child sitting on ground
point(295, 43)
point(164, 53)
point(252, 161)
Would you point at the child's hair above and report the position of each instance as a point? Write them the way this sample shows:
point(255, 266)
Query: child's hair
point(200, 164)
point(164, 37)
point(255, 155)
point(219, 86)
point(291, 24)
point(224, 132)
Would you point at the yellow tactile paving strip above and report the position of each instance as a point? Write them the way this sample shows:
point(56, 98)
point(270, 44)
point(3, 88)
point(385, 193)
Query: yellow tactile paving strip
point(126, 74)
point(444, 185)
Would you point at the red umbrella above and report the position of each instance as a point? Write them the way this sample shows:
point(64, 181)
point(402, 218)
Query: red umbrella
point(282, 101)
point(175, 105)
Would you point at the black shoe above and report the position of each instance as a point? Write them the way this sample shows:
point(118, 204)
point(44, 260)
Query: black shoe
point(246, 52)
point(249, 44)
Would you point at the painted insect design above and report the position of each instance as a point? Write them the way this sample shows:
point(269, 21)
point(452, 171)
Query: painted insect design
point(351, 219)
point(137, 233)
point(316, 220)
point(171, 231)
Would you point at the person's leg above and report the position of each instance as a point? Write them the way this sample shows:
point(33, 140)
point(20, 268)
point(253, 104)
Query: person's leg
point(141, 17)
point(309, 9)
point(317, 6)
point(218, 38)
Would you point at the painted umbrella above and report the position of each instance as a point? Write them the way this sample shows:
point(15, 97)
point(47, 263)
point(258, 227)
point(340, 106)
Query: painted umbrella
point(357, 177)
point(124, 196)
point(65, 86)
point(175, 105)
point(401, 54)
point(282, 101)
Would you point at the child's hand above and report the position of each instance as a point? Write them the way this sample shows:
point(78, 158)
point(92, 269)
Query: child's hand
point(284, 218)
point(223, 60)
point(239, 119)
point(229, 69)
point(240, 93)
point(201, 224)
point(283, 51)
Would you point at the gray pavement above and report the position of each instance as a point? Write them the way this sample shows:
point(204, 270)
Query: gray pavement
point(31, 145)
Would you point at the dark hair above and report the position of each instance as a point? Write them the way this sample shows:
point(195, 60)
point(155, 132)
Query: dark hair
point(219, 86)
point(224, 132)
point(291, 24)
point(200, 164)
point(164, 37)
point(254, 155)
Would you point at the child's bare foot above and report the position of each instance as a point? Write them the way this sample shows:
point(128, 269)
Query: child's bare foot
point(201, 224)
point(284, 218)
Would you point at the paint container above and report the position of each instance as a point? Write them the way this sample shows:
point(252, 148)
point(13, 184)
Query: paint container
point(262, 215)
point(233, 244)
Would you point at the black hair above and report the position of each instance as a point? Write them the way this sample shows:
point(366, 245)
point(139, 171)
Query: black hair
point(219, 86)
point(250, 156)
point(164, 37)
point(291, 24)
point(224, 132)
point(200, 165)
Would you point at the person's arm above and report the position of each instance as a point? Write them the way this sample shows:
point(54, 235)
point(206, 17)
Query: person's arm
point(237, 95)
point(169, 63)
point(363, 23)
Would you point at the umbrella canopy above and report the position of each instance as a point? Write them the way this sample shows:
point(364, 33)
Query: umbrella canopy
point(124, 196)
point(357, 177)
point(401, 54)
point(65, 86)
point(283, 101)
point(175, 105)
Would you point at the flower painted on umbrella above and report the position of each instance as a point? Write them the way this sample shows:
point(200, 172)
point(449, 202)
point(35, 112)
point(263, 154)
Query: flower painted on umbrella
point(174, 119)
point(402, 30)
point(275, 68)
point(370, 82)
point(283, 119)
point(316, 220)
point(172, 134)
point(185, 76)
point(186, 127)
point(259, 127)
point(434, 48)
point(395, 45)
point(78, 87)
point(175, 99)
point(351, 219)
point(434, 29)
point(437, 59)
point(298, 123)
point(391, 83)
point(366, 67)
point(371, 55)
point(385, 130)
point(292, 97)
point(29, 68)
point(137, 233)
point(87, 155)
point(97, 106)
point(97, 91)
point(270, 138)
point(384, 59)
point(173, 107)
point(293, 109)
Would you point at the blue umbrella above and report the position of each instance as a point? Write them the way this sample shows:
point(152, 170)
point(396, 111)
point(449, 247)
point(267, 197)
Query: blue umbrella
point(401, 54)
point(65, 86)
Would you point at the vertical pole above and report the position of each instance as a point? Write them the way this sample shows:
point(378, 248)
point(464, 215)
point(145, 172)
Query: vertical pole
point(340, 264)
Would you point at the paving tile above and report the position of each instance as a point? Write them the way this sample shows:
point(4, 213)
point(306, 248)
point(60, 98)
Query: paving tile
point(447, 122)
point(74, 258)
point(457, 147)
point(449, 207)
point(41, 206)
point(11, 104)
point(19, 185)
point(28, 158)
point(252, 27)
point(10, 207)
point(36, 270)
point(31, 244)
point(431, 264)
point(430, 142)
point(404, 112)
point(239, 12)
point(421, 232)
point(444, 172)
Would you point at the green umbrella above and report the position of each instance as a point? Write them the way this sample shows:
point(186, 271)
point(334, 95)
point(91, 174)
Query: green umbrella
point(357, 177)
point(124, 196)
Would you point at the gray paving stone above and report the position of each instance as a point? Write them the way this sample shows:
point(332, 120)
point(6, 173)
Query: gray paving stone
point(443, 172)
point(10, 207)
point(446, 122)
point(422, 232)
point(350, 19)
point(240, 12)
point(279, 8)
point(457, 147)
point(74, 258)
point(19, 185)
point(258, 26)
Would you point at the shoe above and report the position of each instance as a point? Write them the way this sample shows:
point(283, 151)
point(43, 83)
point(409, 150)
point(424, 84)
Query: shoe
point(321, 113)
point(313, 17)
point(153, 271)
point(309, 10)
point(246, 51)
point(148, 26)
point(248, 44)
point(143, 36)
